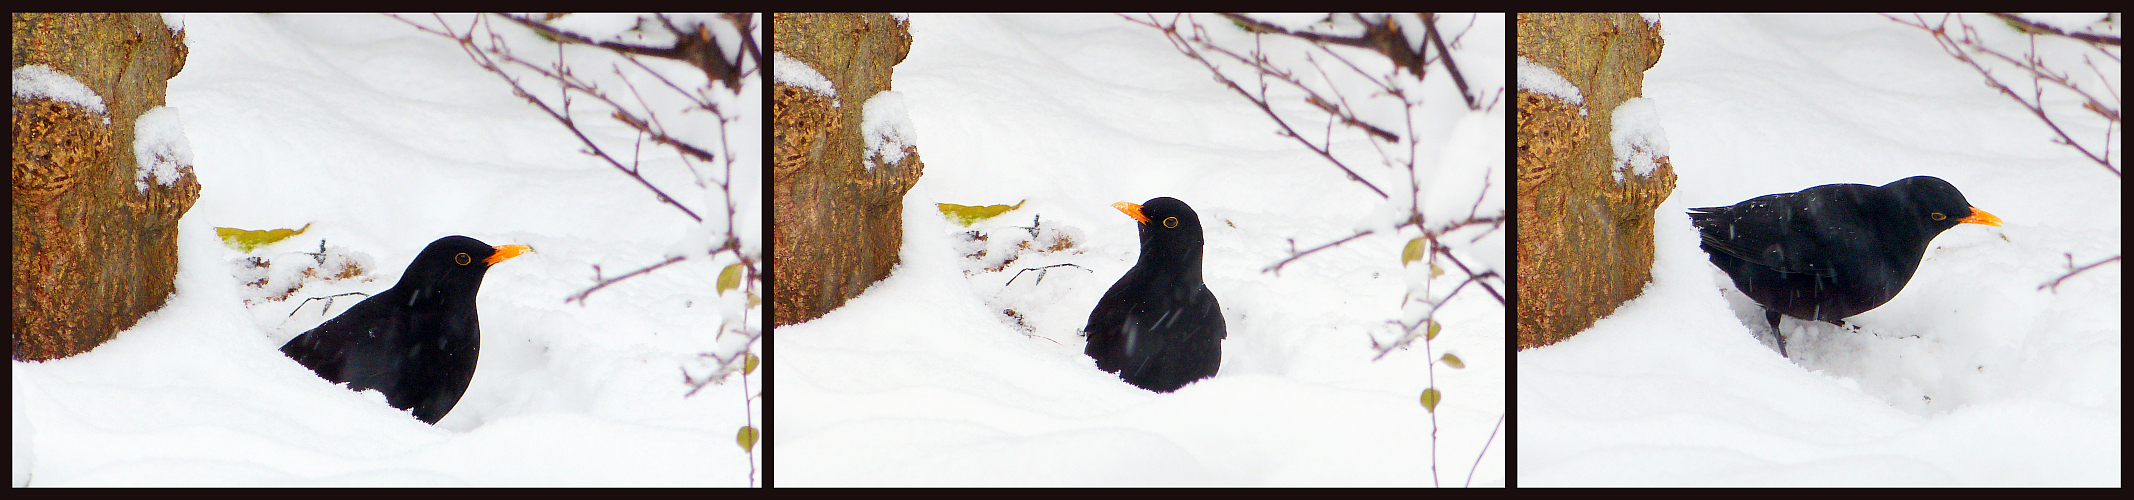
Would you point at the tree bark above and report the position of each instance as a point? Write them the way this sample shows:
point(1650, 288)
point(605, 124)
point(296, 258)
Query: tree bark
point(1585, 240)
point(839, 222)
point(93, 253)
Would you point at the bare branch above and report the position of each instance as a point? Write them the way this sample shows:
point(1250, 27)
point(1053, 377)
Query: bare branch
point(2034, 27)
point(560, 112)
point(1445, 56)
point(580, 297)
point(695, 47)
point(1276, 268)
point(1184, 44)
point(2055, 284)
point(1258, 26)
point(1963, 49)
point(1485, 449)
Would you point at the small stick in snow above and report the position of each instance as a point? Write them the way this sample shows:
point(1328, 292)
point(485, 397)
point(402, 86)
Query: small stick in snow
point(1040, 272)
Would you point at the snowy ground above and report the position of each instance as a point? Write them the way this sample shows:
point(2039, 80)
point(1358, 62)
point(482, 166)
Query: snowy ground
point(924, 380)
point(384, 138)
point(1971, 376)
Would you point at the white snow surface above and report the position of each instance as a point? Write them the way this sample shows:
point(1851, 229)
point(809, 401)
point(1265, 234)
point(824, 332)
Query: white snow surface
point(886, 125)
point(159, 147)
point(1537, 78)
point(384, 138)
point(1637, 136)
point(924, 379)
point(791, 71)
point(40, 81)
point(1971, 376)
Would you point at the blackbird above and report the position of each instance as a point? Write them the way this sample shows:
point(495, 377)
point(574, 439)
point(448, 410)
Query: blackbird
point(415, 342)
point(1833, 251)
point(1159, 328)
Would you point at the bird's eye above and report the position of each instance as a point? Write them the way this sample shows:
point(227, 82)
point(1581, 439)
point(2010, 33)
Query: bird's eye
point(1936, 215)
point(1170, 222)
point(463, 259)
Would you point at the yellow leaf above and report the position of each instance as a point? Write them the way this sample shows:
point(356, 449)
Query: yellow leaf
point(965, 215)
point(730, 278)
point(748, 366)
point(1452, 361)
point(1432, 333)
point(244, 240)
point(1414, 252)
point(747, 438)
point(1430, 399)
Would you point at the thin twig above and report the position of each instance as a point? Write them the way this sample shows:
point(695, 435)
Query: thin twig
point(2055, 284)
point(580, 297)
point(1485, 449)
point(2036, 105)
point(2029, 26)
point(1185, 45)
point(1445, 56)
point(1041, 270)
point(482, 57)
point(329, 303)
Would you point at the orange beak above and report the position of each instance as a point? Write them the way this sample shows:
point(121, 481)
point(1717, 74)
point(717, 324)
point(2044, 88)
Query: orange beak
point(506, 252)
point(1981, 217)
point(1134, 211)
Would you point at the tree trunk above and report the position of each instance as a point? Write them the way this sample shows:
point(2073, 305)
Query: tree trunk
point(93, 253)
point(839, 222)
point(1585, 240)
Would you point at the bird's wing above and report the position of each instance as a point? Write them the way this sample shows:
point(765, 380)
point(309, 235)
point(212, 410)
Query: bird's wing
point(1772, 235)
point(1210, 308)
point(1104, 332)
point(355, 347)
point(316, 349)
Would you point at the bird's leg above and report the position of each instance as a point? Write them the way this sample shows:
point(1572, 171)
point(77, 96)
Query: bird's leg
point(1775, 332)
